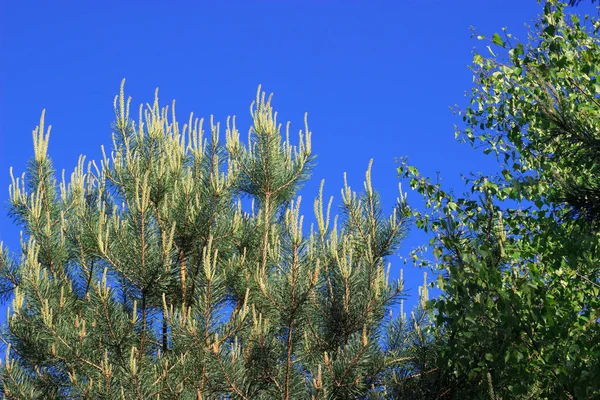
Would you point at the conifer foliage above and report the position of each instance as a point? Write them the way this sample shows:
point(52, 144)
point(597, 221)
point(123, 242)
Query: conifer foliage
point(146, 276)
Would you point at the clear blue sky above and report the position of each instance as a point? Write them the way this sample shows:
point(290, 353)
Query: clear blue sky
point(376, 77)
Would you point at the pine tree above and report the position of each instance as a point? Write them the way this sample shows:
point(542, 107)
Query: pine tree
point(179, 267)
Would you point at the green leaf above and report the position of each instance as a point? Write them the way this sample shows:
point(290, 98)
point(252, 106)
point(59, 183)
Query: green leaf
point(497, 40)
point(518, 355)
point(550, 30)
point(519, 50)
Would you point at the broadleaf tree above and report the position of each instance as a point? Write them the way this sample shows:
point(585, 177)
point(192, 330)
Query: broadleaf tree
point(518, 256)
point(178, 267)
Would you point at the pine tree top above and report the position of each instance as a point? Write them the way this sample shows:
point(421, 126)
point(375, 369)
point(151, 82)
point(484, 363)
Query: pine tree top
point(147, 276)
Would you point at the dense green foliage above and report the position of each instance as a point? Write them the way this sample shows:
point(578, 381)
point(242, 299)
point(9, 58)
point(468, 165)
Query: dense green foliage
point(148, 276)
point(519, 256)
point(179, 267)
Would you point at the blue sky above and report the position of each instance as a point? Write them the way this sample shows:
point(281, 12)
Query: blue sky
point(376, 78)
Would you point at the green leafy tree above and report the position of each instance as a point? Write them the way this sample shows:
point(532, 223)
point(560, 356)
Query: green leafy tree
point(146, 276)
point(518, 258)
